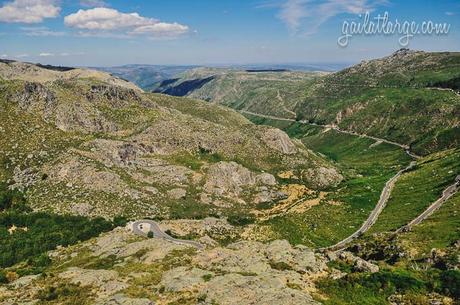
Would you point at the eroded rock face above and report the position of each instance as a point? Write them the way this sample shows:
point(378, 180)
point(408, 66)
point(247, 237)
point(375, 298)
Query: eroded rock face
point(35, 96)
point(122, 96)
point(228, 178)
point(74, 171)
point(279, 141)
point(79, 117)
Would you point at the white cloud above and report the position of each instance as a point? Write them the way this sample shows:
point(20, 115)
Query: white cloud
point(21, 55)
point(307, 16)
point(46, 54)
point(29, 11)
point(4, 55)
point(162, 29)
point(93, 3)
point(102, 18)
point(41, 31)
point(107, 22)
point(450, 13)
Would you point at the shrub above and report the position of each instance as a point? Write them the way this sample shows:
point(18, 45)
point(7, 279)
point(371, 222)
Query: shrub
point(240, 220)
point(450, 283)
point(3, 278)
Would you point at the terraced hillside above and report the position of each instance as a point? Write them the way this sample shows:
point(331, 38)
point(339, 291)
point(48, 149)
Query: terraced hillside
point(82, 142)
point(395, 97)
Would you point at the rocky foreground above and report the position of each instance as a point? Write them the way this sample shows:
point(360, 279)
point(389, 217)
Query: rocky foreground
point(120, 268)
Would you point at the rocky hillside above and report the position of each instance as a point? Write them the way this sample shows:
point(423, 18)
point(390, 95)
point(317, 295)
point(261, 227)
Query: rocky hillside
point(394, 97)
point(84, 142)
point(119, 268)
point(41, 74)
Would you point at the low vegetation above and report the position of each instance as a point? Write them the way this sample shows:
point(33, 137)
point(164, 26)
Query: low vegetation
point(413, 287)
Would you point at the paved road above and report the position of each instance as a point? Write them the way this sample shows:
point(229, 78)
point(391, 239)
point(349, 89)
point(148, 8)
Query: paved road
point(336, 128)
point(384, 196)
point(446, 194)
point(157, 232)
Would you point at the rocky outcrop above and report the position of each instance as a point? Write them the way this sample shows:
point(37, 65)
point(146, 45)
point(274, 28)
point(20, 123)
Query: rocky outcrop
point(228, 178)
point(322, 177)
point(118, 96)
point(36, 96)
point(246, 290)
point(279, 141)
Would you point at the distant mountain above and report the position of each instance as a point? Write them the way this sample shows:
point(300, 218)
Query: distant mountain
point(145, 76)
point(149, 77)
point(394, 97)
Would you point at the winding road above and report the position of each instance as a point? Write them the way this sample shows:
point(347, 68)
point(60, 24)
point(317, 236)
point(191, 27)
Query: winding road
point(446, 194)
point(158, 233)
point(384, 196)
point(336, 128)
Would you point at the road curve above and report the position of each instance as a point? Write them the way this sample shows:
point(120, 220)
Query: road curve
point(446, 194)
point(336, 128)
point(384, 196)
point(157, 232)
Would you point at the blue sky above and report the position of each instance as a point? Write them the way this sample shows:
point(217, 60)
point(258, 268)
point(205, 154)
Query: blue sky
point(110, 32)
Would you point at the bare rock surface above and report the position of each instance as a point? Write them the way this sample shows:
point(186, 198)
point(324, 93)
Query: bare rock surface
point(239, 289)
point(279, 140)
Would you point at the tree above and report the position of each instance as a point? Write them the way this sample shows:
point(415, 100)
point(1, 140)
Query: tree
point(150, 234)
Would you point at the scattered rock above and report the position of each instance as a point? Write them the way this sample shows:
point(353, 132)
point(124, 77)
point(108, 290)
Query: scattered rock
point(177, 193)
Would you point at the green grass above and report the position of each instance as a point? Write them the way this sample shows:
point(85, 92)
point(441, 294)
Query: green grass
point(440, 230)
point(417, 189)
point(373, 289)
point(293, 129)
point(366, 171)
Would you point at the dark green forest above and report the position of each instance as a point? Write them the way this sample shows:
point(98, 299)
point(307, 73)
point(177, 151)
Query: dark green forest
point(38, 232)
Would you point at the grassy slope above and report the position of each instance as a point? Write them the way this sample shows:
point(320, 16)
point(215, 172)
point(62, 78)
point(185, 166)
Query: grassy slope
point(417, 189)
point(366, 168)
point(440, 230)
point(389, 98)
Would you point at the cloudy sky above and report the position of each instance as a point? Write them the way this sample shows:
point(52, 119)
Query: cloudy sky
point(110, 32)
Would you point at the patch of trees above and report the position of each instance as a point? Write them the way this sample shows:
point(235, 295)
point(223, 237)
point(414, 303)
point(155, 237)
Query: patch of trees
point(453, 83)
point(26, 236)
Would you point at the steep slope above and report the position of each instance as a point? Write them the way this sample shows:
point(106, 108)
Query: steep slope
point(395, 97)
point(398, 97)
point(84, 146)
